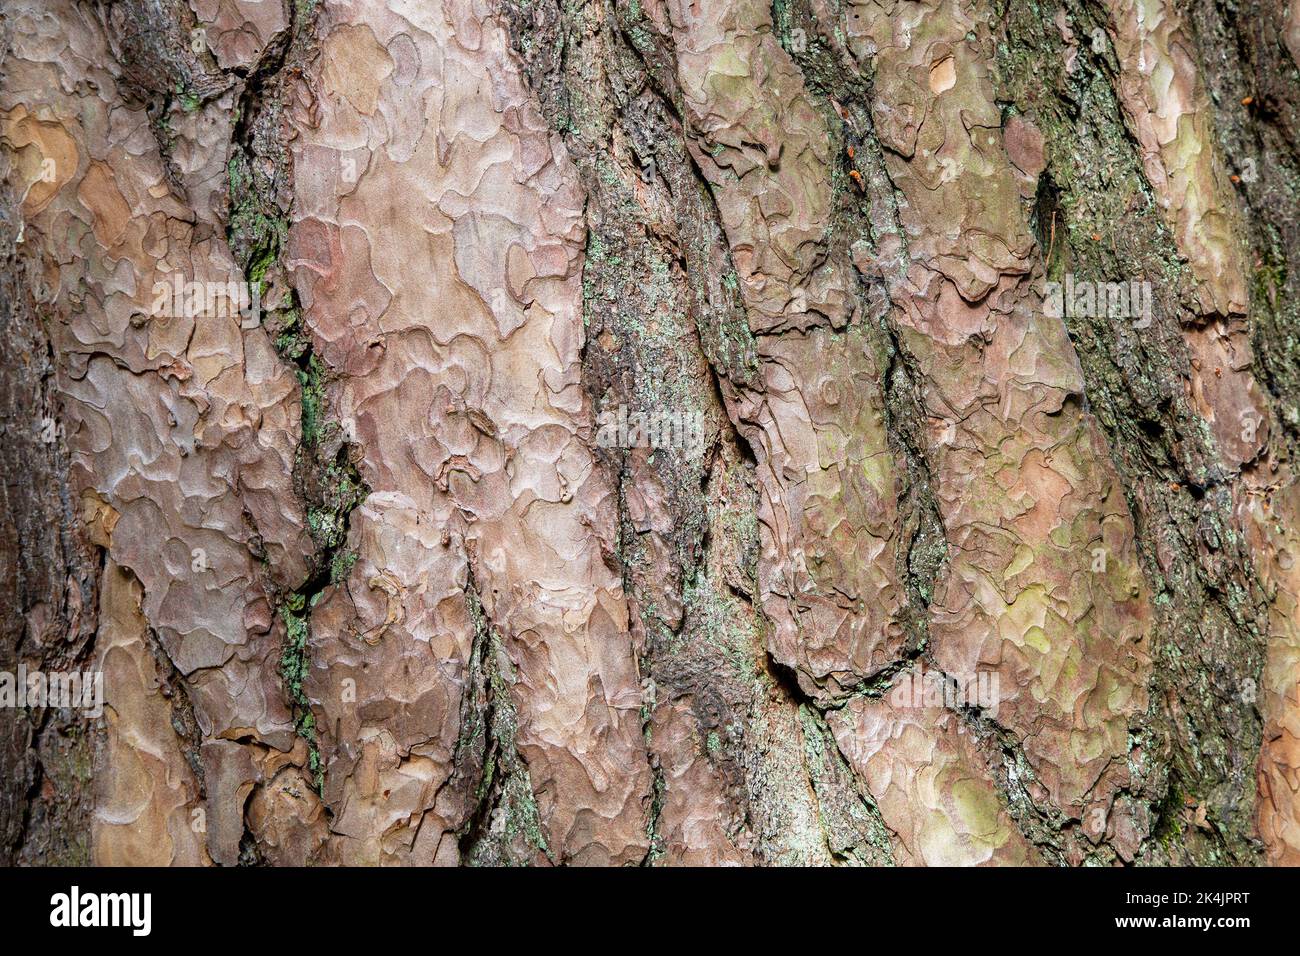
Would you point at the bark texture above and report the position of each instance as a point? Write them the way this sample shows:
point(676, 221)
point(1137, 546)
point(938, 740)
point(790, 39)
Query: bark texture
point(369, 582)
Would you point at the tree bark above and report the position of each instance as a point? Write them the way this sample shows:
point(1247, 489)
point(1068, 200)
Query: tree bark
point(652, 431)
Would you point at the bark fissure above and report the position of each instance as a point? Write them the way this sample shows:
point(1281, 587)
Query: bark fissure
point(1178, 493)
point(503, 826)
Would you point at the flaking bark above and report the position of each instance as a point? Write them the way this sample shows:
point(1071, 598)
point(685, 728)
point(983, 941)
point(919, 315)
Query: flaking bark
point(369, 585)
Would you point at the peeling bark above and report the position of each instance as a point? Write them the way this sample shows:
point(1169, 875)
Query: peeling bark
point(652, 432)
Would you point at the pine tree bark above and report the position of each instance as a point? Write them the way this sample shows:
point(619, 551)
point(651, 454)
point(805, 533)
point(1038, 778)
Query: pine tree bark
point(973, 326)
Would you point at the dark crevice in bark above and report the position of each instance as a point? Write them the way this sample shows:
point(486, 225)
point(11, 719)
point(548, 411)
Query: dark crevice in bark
point(1254, 88)
point(619, 372)
point(260, 172)
point(166, 66)
point(326, 479)
point(654, 836)
point(1096, 218)
point(838, 794)
point(553, 44)
point(852, 826)
point(720, 315)
point(250, 854)
point(502, 826)
point(924, 548)
point(868, 210)
point(174, 688)
point(49, 575)
point(612, 99)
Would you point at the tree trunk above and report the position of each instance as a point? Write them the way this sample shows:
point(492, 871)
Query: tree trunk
point(651, 431)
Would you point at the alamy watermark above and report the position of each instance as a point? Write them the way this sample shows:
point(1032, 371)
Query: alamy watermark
point(76, 909)
point(932, 688)
point(82, 691)
point(236, 300)
point(1084, 298)
point(622, 428)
